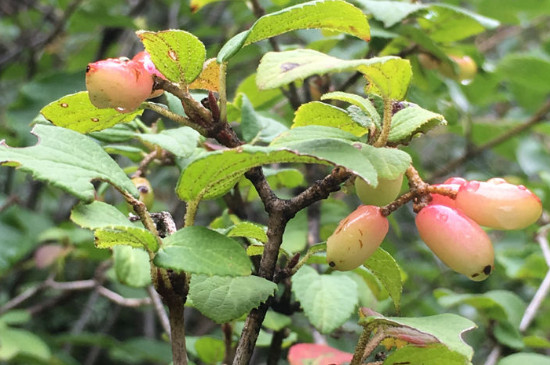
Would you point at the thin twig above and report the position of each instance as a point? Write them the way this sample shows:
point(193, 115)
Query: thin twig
point(120, 300)
point(159, 308)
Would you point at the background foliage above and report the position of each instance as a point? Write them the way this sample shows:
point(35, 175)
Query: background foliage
point(496, 127)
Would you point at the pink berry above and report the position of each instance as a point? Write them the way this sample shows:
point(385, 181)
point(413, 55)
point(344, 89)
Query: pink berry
point(356, 238)
point(444, 199)
point(118, 83)
point(455, 180)
point(457, 240)
point(498, 204)
point(144, 58)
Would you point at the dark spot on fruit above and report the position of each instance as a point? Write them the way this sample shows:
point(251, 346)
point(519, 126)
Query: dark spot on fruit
point(87, 68)
point(95, 120)
point(143, 189)
point(487, 269)
point(360, 232)
point(361, 243)
point(331, 264)
point(287, 66)
point(64, 105)
point(475, 275)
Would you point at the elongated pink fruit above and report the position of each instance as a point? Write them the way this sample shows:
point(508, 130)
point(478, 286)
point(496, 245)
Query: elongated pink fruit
point(457, 240)
point(118, 83)
point(356, 238)
point(144, 58)
point(498, 204)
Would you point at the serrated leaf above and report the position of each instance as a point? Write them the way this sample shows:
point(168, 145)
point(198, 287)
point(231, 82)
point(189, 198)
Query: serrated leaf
point(411, 120)
point(387, 76)
point(177, 54)
point(363, 103)
point(336, 15)
point(214, 173)
point(180, 141)
point(132, 266)
point(387, 271)
point(317, 113)
point(223, 298)
point(199, 250)
point(446, 329)
point(328, 300)
point(67, 160)
point(111, 227)
point(209, 78)
point(338, 152)
point(247, 229)
point(77, 113)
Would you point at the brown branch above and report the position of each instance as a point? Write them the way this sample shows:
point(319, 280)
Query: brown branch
point(539, 116)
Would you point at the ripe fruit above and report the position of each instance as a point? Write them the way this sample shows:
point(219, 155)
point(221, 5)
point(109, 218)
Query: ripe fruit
point(356, 238)
point(457, 240)
point(384, 193)
point(498, 204)
point(452, 183)
point(145, 59)
point(146, 194)
point(118, 83)
point(466, 69)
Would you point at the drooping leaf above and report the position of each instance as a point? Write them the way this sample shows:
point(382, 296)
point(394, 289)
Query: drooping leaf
point(317, 113)
point(446, 329)
point(385, 268)
point(199, 250)
point(132, 266)
point(411, 120)
point(248, 229)
point(180, 141)
point(68, 160)
point(223, 298)
point(334, 15)
point(111, 227)
point(214, 173)
point(328, 300)
point(359, 101)
point(177, 54)
point(77, 113)
point(209, 78)
point(389, 163)
point(386, 76)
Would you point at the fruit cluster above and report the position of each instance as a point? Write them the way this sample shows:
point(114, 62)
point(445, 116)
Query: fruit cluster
point(450, 224)
point(122, 83)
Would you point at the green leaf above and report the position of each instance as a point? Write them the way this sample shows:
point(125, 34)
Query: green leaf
point(312, 132)
point(525, 358)
point(111, 227)
point(132, 266)
point(508, 335)
point(180, 141)
point(436, 354)
point(77, 113)
point(68, 160)
point(317, 113)
point(295, 235)
point(210, 350)
point(20, 342)
point(412, 120)
point(336, 15)
point(223, 299)
point(276, 321)
point(363, 103)
point(389, 12)
point(247, 229)
point(386, 269)
point(256, 126)
point(336, 151)
point(15, 316)
point(328, 300)
point(500, 305)
point(389, 163)
point(446, 329)
point(215, 173)
point(387, 76)
point(199, 250)
point(177, 54)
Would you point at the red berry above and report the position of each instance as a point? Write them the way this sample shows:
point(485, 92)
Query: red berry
point(145, 59)
point(118, 83)
point(457, 240)
point(498, 204)
point(356, 238)
point(444, 199)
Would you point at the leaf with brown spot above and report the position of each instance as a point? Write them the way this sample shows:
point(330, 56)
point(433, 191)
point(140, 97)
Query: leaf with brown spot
point(209, 78)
